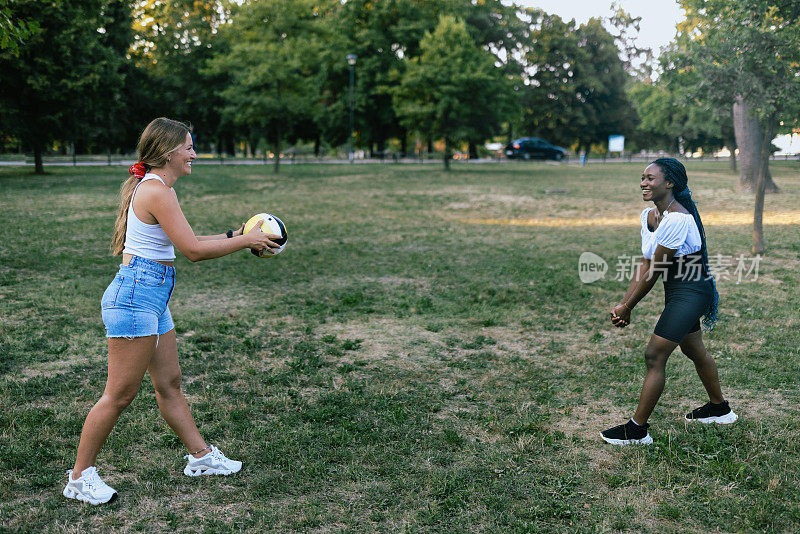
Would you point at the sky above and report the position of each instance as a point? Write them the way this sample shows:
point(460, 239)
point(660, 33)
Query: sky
point(659, 17)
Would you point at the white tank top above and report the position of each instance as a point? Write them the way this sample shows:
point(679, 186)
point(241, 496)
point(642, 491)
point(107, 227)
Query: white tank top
point(147, 240)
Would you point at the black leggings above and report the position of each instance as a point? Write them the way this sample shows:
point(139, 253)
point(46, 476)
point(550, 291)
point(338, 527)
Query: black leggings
point(686, 300)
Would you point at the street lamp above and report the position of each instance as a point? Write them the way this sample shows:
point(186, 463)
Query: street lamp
point(351, 60)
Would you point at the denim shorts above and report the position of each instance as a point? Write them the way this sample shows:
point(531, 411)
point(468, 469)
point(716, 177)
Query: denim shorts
point(135, 303)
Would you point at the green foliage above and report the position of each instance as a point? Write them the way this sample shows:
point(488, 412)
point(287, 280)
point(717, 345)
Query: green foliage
point(272, 67)
point(380, 34)
point(14, 31)
point(66, 80)
point(638, 60)
point(747, 48)
point(724, 50)
point(673, 116)
point(574, 83)
point(173, 41)
point(452, 89)
point(548, 94)
point(276, 70)
point(384, 36)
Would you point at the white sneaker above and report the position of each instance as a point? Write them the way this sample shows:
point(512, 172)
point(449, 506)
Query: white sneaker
point(89, 487)
point(213, 463)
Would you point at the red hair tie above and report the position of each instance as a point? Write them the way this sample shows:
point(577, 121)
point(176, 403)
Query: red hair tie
point(138, 170)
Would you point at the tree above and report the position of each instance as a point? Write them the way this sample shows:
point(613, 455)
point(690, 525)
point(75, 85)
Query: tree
point(603, 107)
point(273, 68)
point(749, 51)
point(450, 87)
point(173, 42)
point(14, 31)
point(671, 109)
point(660, 117)
point(380, 35)
point(716, 49)
point(548, 96)
point(121, 112)
point(64, 78)
point(574, 84)
point(384, 35)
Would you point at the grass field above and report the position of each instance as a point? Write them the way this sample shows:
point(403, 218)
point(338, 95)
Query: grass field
point(404, 365)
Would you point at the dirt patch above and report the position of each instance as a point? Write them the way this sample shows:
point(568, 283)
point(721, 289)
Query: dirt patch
point(211, 300)
point(419, 283)
point(758, 405)
point(385, 341)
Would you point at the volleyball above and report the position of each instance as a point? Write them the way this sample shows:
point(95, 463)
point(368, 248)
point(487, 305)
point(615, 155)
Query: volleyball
point(272, 225)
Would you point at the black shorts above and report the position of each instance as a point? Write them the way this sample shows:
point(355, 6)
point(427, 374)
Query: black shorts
point(686, 300)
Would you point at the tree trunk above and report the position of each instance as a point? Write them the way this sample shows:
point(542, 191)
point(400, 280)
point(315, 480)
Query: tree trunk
point(446, 154)
point(758, 214)
point(317, 143)
point(276, 146)
point(584, 147)
point(381, 147)
point(37, 158)
point(731, 143)
point(403, 143)
point(749, 141)
point(473, 151)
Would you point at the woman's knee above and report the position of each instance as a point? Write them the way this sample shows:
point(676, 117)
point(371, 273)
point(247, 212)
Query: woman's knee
point(168, 385)
point(655, 358)
point(695, 355)
point(120, 399)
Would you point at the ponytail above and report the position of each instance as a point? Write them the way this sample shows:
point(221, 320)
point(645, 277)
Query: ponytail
point(137, 172)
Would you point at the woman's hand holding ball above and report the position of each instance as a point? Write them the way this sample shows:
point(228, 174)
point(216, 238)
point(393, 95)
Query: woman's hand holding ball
point(258, 240)
point(276, 239)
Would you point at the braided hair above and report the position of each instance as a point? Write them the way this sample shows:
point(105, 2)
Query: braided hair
point(675, 172)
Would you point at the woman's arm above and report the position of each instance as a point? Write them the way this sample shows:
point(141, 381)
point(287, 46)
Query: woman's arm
point(641, 272)
point(240, 231)
point(163, 205)
point(214, 237)
point(643, 281)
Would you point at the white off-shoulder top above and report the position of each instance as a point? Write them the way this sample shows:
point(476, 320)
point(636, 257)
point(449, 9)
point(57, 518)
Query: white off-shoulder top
point(677, 231)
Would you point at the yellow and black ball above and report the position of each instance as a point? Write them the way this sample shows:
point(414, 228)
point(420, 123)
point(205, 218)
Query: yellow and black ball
point(272, 225)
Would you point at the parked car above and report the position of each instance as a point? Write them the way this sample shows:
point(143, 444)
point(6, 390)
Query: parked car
point(534, 148)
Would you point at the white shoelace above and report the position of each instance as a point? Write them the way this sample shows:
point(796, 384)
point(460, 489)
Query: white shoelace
point(217, 455)
point(93, 480)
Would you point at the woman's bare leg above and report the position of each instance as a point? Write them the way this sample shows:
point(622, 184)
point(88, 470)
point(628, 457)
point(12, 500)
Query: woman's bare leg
point(692, 346)
point(655, 356)
point(127, 362)
point(165, 372)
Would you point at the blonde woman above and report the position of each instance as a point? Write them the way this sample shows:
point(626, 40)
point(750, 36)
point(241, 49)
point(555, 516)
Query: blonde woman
point(139, 327)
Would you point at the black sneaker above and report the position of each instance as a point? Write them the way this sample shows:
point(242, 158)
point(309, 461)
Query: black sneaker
point(713, 413)
point(628, 434)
